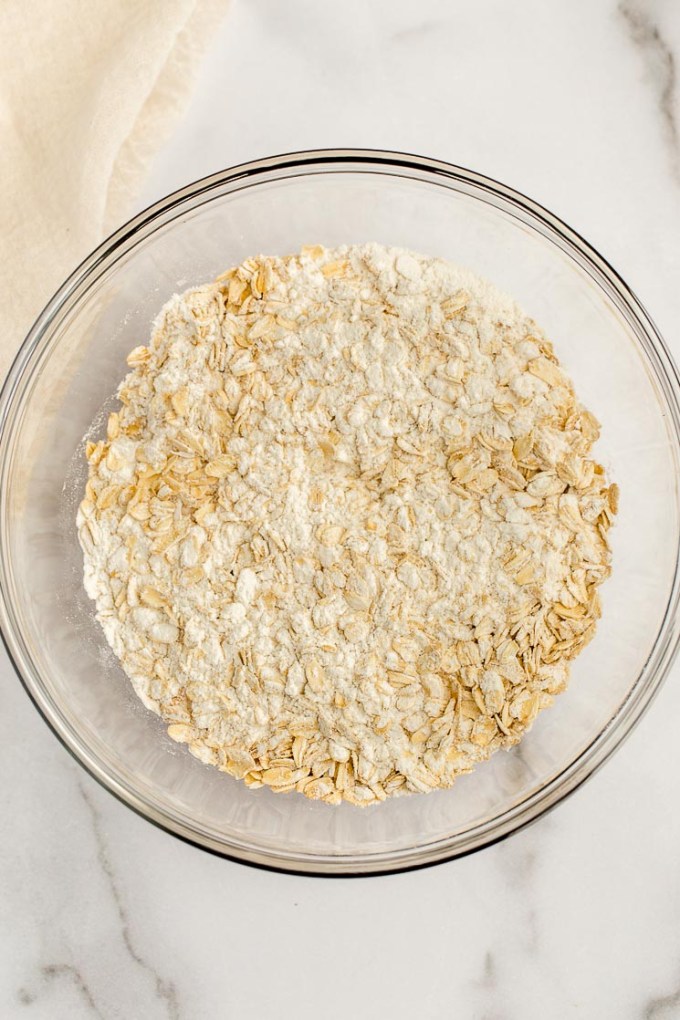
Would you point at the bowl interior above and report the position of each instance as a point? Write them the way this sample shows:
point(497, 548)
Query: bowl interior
point(66, 389)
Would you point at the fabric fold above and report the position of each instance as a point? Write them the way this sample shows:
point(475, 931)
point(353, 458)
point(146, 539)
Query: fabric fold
point(88, 93)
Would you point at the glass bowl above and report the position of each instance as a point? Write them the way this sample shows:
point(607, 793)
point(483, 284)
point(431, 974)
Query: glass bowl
point(69, 366)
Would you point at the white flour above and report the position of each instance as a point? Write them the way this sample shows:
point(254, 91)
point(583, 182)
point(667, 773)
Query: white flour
point(345, 532)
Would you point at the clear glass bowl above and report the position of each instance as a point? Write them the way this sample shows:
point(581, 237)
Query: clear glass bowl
point(73, 359)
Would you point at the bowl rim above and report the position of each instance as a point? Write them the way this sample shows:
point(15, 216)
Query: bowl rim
point(658, 359)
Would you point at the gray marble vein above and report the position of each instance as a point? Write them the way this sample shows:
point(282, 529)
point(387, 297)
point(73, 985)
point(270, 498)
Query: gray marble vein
point(663, 1007)
point(56, 971)
point(488, 985)
point(520, 863)
point(417, 32)
point(661, 68)
point(489, 978)
point(165, 989)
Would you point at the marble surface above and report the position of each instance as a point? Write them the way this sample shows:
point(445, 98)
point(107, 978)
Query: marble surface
point(574, 102)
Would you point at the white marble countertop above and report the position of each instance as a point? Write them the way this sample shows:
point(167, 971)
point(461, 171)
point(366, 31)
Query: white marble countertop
point(574, 102)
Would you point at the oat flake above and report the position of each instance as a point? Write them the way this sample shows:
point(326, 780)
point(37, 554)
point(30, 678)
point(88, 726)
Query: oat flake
point(345, 532)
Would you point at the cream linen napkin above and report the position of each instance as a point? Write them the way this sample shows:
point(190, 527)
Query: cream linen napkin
point(88, 91)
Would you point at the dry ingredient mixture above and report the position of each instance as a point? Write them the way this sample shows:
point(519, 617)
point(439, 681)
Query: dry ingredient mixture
point(345, 532)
